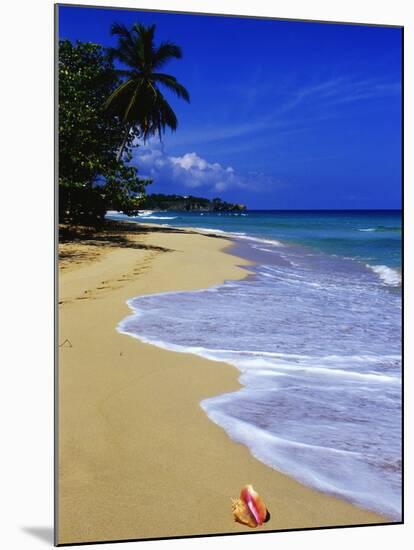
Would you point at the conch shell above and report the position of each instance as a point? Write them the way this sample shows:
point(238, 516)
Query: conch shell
point(249, 509)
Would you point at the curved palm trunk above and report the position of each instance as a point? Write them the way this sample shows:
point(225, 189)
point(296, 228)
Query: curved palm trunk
point(124, 142)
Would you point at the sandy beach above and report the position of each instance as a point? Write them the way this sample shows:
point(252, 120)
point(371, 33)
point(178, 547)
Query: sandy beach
point(138, 457)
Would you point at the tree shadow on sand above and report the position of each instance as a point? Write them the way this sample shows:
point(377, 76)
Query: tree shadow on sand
point(110, 234)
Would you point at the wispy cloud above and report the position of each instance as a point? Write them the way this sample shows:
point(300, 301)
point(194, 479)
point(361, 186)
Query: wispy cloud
point(339, 90)
point(318, 91)
point(218, 132)
point(290, 110)
point(355, 91)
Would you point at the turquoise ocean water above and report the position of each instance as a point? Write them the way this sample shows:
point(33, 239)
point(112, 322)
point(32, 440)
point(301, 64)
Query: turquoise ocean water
point(315, 332)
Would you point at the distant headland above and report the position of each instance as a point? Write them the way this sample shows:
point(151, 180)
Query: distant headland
point(188, 203)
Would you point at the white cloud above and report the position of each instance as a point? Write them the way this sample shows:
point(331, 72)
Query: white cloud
point(189, 170)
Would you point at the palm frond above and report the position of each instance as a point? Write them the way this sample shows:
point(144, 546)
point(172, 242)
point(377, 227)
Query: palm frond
point(145, 39)
point(131, 103)
point(129, 49)
point(121, 54)
point(172, 84)
point(126, 73)
point(120, 30)
point(165, 116)
point(118, 94)
point(138, 101)
point(164, 53)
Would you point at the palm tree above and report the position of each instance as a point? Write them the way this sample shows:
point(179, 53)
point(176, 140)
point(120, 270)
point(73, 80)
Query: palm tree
point(138, 100)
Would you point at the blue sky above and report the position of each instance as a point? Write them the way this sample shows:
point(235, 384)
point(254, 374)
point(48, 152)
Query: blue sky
point(283, 114)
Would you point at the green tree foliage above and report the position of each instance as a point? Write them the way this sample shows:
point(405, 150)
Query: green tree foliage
point(138, 101)
point(179, 203)
point(91, 177)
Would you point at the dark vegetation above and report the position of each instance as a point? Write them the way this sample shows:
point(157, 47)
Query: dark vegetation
point(110, 99)
point(159, 201)
point(91, 178)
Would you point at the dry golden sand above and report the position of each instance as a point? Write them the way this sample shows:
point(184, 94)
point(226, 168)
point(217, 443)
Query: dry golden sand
point(138, 457)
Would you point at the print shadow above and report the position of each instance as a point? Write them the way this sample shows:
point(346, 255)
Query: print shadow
point(44, 534)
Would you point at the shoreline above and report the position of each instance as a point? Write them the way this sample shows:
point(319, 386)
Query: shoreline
point(133, 437)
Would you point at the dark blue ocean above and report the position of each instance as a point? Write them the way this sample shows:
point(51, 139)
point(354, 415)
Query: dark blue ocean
point(315, 331)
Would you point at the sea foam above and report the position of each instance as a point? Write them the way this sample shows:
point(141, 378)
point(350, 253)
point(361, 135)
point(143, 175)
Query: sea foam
point(319, 365)
point(388, 276)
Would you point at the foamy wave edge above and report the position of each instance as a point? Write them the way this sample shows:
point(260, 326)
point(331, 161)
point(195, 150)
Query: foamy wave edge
point(388, 275)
